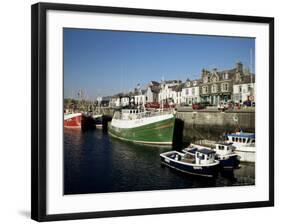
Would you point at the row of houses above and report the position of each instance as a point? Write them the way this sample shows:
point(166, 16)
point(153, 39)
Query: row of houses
point(236, 84)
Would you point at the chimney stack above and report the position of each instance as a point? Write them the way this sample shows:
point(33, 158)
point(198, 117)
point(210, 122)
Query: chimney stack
point(239, 67)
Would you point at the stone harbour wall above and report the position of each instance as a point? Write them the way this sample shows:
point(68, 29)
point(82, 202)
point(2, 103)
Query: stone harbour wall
point(212, 125)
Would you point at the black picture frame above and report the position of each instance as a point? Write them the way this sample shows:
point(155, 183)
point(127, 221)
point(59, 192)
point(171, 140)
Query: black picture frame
point(39, 122)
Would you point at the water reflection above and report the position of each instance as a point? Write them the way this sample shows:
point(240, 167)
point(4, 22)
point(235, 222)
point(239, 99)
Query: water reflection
point(96, 163)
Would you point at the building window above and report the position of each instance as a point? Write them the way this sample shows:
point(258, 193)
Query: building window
point(224, 87)
point(214, 88)
point(205, 89)
point(249, 88)
point(240, 89)
point(193, 91)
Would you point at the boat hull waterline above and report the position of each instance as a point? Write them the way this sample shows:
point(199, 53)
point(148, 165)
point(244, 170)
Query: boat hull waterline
point(246, 156)
point(72, 120)
point(245, 145)
point(144, 131)
point(210, 170)
point(229, 161)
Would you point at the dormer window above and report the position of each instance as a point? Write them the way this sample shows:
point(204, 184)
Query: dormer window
point(195, 83)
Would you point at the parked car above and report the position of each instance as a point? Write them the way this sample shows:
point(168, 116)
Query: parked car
point(198, 106)
point(224, 106)
point(249, 103)
point(156, 105)
point(152, 105)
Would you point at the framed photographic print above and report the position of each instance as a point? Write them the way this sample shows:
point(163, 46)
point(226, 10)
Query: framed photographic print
point(138, 111)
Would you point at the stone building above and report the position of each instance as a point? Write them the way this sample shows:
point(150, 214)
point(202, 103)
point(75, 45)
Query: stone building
point(217, 86)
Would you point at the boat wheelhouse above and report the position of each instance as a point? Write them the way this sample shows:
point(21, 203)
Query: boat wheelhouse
point(241, 139)
point(244, 145)
point(143, 126)
point(201, 163)
point(224, 152)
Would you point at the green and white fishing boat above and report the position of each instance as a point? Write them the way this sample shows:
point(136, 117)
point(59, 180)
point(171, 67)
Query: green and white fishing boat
point(143, 126)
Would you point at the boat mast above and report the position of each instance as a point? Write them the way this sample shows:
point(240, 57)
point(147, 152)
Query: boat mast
point(251, 64)
point(162, 106)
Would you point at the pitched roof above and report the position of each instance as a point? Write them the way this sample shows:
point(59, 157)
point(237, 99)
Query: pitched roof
point(143, 91)
point(154, 83)
point(179, 87)
point(155, 89)
point(248, 79)
point(172, 81)
point(173, 88)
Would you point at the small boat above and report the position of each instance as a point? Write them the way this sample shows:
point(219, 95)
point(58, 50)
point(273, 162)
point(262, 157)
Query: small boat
point(224, 153)
point(72, 120)
point(201, 163)
point(244, 145)
point(98, 120)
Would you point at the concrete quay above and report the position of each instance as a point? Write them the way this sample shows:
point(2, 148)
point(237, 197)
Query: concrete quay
point(211, 124)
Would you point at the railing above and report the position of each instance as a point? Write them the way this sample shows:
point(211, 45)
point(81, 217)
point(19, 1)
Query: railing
point(205, 142)
point(147, 113)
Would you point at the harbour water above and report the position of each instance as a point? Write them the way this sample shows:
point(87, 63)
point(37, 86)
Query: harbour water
point(94, 162)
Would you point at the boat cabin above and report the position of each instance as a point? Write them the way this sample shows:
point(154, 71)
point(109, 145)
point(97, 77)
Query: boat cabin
point(241, 138)
point(129, 114)
point(224, 148)
point(204, 156)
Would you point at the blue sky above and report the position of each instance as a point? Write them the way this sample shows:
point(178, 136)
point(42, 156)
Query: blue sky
point(103, 62)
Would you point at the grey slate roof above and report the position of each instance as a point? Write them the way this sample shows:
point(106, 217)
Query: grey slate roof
point(155, 89)
point(154, 83)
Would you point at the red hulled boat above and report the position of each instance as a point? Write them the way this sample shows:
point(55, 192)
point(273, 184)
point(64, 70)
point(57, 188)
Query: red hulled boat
point(72, 120)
